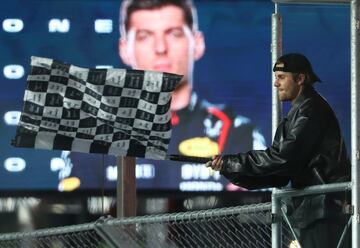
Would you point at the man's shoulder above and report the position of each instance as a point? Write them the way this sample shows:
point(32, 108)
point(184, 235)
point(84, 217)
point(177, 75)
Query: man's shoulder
point(315, 105)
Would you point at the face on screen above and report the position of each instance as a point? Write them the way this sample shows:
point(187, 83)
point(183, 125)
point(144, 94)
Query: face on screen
point(159, 40)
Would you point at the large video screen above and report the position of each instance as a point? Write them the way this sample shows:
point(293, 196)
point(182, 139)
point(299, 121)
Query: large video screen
point(229, 110)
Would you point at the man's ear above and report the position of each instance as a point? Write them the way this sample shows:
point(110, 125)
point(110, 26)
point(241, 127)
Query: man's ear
point(123, 51)
point(199, 45)
point(301, 79)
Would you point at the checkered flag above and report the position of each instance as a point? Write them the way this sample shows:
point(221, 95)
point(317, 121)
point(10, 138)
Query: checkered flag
point(110, 111)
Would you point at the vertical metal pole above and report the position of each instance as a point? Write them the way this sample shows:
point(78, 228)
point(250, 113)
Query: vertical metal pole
point(276, 220)
point(276, 51)
point(355, 96)
point(126, 187)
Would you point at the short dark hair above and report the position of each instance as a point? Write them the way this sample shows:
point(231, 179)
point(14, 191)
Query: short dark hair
point(307, 80)
point(130, 6)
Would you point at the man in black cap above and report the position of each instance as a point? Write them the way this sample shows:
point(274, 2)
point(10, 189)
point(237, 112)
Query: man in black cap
point(307, 149)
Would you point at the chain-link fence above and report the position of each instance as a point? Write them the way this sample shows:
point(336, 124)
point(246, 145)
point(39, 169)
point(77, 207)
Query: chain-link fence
point(67, 236)
point(243, 226)
point(312, 198)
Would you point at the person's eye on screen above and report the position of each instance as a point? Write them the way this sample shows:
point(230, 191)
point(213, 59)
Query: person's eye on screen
point(176, 32)
point(142, 35)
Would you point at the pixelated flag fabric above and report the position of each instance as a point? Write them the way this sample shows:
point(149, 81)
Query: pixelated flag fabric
point(110, 111)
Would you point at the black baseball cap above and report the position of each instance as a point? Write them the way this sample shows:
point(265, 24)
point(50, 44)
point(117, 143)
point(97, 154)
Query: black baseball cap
point(296, 63)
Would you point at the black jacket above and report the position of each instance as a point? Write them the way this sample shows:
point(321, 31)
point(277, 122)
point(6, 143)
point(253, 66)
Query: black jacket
point(308, 137)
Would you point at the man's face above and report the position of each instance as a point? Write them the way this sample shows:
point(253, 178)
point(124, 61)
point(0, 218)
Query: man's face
point(159, 40)
point(288, 88)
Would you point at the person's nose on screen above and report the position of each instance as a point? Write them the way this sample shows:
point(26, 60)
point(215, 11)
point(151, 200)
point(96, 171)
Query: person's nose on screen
point(160, 45)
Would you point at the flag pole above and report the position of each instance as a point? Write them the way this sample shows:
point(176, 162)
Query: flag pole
point(192, 159)
point(126, 187)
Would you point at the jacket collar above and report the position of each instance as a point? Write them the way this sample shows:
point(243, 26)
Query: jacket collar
point(307, 92)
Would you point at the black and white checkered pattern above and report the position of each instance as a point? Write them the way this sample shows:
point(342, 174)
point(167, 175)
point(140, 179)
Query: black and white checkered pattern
point(111, 111)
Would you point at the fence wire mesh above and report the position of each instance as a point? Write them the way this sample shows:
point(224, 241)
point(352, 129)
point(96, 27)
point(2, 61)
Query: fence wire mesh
point(67, 236)
point(244, 226)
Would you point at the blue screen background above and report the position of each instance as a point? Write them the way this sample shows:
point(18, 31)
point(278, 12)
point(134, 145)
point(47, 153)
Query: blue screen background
point(235, 70)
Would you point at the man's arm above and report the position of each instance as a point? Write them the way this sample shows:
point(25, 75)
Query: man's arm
point(285, 158)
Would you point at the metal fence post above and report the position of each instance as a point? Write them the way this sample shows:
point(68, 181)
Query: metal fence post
point(276, 221)
point(355, 156)
point(276, 51)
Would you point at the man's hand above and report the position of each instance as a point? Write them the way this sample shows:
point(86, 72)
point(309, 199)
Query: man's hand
point(216, 163)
